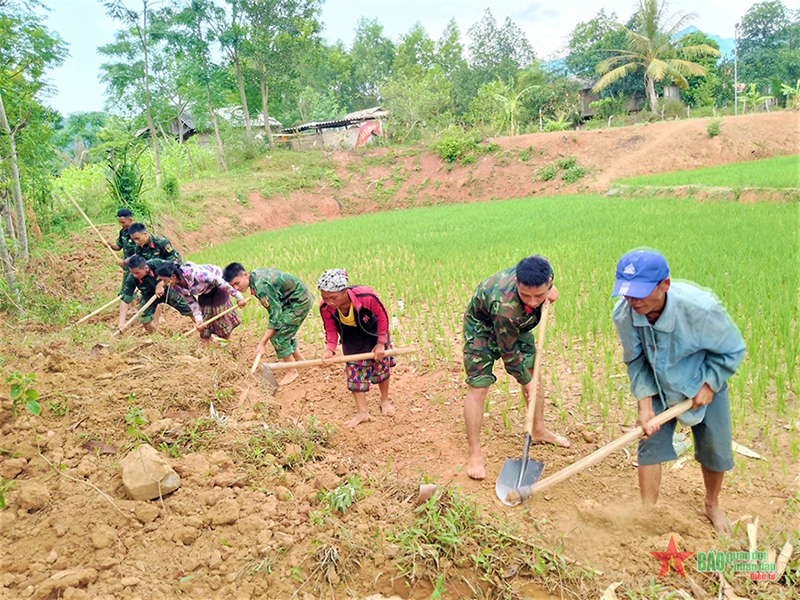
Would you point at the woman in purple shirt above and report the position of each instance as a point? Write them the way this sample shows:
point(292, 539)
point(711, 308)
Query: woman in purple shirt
point(213, 296)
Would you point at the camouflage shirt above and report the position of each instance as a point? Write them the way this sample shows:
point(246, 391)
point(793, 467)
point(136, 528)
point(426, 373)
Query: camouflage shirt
point(125, 243)
point(279, 292)
point(159, 247)
point(146, 285)
point(497, 317)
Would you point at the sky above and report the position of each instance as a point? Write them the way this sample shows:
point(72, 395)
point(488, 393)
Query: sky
point(84, 25)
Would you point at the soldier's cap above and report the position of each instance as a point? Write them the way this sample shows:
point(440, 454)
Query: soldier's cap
point(638, 273)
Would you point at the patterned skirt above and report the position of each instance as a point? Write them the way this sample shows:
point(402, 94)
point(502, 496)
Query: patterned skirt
point(213, 303)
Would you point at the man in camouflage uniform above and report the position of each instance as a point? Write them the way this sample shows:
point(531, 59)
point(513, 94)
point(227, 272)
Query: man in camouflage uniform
point(288, 301)
point(124, 241)
point(150, 246)
point(142, 277)
point(498, 323)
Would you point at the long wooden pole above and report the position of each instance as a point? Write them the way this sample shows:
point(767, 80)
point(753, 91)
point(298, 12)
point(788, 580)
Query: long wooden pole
point(255, 363)
point(99, 310)
point(140, 311)
point(318, 362)
point(212, 319)
point(89, 221)
point(516, 496)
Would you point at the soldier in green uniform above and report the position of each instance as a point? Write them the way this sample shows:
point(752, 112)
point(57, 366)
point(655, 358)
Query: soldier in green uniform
point(124, 241)
point(142, 277)
point(497, 324)
point(288, 301)
point(150, 246)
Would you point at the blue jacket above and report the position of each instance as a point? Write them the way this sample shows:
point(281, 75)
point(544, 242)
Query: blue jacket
point(693, 342)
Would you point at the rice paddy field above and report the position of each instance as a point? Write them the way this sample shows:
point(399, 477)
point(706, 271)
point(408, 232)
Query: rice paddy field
point(778, 172)
point(433, 258)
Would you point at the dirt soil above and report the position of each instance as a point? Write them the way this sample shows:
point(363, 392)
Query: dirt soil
point(415, 177)
point(248, 520)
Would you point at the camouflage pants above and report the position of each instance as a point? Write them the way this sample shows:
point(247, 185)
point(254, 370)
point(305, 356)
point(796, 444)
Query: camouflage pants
point(481, 352)
point(283, 339)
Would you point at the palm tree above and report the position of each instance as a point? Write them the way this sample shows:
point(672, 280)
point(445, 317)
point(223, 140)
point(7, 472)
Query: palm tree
point(652, 48)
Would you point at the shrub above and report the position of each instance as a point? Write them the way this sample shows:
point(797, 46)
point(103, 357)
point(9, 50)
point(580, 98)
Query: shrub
point(713, 128)
point(548, 172)
point(572, 174)
point(457, 145)
point(566, 163)
point(171, 187)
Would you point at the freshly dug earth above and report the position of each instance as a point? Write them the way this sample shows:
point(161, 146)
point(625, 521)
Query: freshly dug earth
point(248, 518)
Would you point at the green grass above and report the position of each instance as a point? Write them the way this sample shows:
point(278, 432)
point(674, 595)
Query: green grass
point(778, 172)
point(434, 258)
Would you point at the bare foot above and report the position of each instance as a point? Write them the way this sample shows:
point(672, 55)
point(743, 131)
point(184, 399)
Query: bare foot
point(289, 377)
point(387, 410)
point(359, 418)
point(475, 468)
point(717, 518)
point(548, 437)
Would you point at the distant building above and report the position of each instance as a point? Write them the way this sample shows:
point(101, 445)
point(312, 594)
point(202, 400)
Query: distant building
point(353, 129)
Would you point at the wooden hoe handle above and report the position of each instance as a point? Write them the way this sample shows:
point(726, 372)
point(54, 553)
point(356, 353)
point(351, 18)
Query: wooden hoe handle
point(318, 362)
point(598, 455)
point(205, 324)
point(537, 367)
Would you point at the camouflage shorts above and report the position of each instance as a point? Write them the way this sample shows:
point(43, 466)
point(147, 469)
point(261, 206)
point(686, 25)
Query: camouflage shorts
point(481, 353)
point(283, 339)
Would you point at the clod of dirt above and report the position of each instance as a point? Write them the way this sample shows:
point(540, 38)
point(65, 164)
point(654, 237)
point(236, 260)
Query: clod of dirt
point(227, 477)
point(224, 512)
point(103, 536)
point(215, 561)
point(146, 475)
point(283, 494)
point(588, 436)
point(221, 459)
point(62, 580)
point(33, 496)
point(194, 467)
point(326, 481)
point(12, 467)
point(146, 512)
point(186, 535)
point(7, 520)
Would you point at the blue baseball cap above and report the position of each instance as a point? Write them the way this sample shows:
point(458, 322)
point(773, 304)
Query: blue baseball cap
point(638, 273)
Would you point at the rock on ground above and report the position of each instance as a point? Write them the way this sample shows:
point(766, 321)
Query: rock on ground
point(147, 475)
point(33, 496)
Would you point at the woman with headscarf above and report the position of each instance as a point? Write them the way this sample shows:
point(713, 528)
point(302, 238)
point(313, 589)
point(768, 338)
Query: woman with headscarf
point(356, 316)
point(213, 296)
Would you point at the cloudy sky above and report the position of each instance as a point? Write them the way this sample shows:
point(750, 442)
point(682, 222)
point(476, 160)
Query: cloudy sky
point(84, 26)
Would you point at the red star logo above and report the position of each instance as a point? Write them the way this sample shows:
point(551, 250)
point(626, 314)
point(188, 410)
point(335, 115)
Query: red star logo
point(672, 555)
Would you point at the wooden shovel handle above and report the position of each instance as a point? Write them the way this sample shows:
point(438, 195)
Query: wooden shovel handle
point(205, 324)
point(598, 455)
point(138, 312)
point(318, 362)
point(537, 368)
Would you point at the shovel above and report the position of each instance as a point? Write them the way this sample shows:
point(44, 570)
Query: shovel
point(268, 368)
point(516, 496)
point(518, 472)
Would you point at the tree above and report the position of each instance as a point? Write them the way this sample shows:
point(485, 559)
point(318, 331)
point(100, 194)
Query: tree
point(27, 50)
point(701, 89)
point(139, 24)
point(414, 55)
point(498, 52)
point(449, 56)
point(753, 97)
point(232, 31)
point(651, 48)
point(280, 31)
point(769, 45)
point(372, 56)
point(415, 101)
point(193, 33)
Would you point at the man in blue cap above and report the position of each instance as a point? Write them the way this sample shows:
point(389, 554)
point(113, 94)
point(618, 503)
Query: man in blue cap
point(678, 342)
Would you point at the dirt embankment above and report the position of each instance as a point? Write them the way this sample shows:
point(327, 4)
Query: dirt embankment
point(415, 177)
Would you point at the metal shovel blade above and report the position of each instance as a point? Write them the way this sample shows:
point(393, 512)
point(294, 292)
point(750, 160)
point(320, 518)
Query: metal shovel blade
point(515, 475)
point(269, 377)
